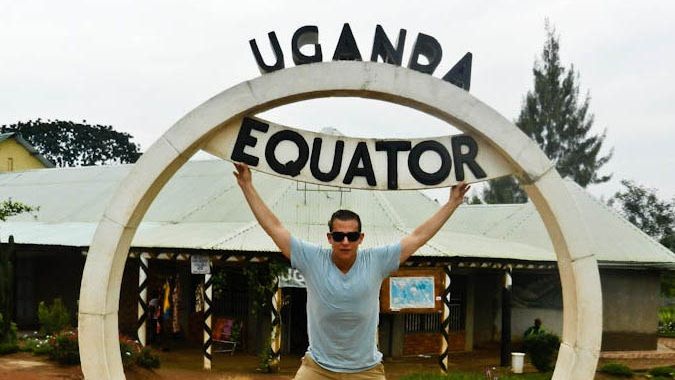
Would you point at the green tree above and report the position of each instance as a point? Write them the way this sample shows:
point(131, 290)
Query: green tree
point(669, 240)
point(642, 207)
point(53, 318)
point(655, 217)
point(503, 190)
point(9, 208)
point(554, 116)
point(475, 200)
point(66, 143)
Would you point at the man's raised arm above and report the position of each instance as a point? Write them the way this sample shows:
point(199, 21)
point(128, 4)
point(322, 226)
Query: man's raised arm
point(266, 218)
point(425, 231)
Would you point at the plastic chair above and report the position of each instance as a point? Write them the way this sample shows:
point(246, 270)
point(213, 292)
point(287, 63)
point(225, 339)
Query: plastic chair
point(226, 335)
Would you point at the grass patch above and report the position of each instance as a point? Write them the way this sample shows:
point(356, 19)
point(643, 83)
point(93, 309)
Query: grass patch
point(436, 376)
point(616, 369)
point(474, 376)
point(662, 372)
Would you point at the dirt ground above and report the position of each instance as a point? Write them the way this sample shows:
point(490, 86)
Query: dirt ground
point(187, 364)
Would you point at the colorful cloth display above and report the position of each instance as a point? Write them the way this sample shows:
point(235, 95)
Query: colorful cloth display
point(166, 305)
point(175, 307)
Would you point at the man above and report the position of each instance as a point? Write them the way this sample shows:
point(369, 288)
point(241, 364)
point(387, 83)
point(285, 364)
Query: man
point(343, 284)
point(536, 329)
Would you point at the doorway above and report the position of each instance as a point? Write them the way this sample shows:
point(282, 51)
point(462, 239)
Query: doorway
point(294, 321)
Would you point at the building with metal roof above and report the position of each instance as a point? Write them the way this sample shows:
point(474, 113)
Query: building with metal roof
point(17, 154)
point(201, 210)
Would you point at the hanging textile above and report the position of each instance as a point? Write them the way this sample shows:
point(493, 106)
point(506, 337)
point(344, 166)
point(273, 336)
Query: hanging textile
point(175, 307)
point(166, 305)
point(199, 298)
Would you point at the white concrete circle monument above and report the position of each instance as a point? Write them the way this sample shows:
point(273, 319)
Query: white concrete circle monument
point(208, 123)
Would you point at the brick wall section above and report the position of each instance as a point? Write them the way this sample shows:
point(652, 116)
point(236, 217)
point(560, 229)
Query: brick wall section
point(430, 343)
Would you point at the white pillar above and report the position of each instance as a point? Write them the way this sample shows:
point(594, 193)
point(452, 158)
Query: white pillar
point(505, 341)
point(142, 298)
point(275, 340)
point(207, 322)
point(445, 322)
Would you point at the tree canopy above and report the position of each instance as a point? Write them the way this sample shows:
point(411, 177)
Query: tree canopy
point(559, 121)
point(642, 207)
point(503, 190)
point(67, 143)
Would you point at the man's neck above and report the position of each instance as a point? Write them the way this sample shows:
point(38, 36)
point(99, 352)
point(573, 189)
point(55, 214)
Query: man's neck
point(343, 265)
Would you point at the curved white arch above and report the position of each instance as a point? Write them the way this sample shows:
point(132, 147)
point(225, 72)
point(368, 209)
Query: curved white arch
point(101, 281)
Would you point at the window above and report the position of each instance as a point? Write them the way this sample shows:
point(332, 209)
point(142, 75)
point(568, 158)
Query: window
point(421, 323)
point(10, 164)
point(417, 323)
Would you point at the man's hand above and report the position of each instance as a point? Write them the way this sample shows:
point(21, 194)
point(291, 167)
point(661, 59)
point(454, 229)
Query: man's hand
point(267, 220)
point(243, 174)
point(458, 192)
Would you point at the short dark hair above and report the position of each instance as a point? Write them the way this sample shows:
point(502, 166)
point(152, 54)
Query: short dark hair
point(344, 215)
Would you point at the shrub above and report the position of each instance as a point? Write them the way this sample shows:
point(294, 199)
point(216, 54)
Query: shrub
point(54, 318)
point(616, 369)
point(128, 350)
point(65, 349)
point(542, 350)
point(134, 354)
point(265, 362)
point(8, 348)
point(35, 344)
point(30, 344)
point(2, 331)
point(12, 332)
point(42, 348)
point(667, 321)
point(10, 335)
point(662, 372)
point(147, 359)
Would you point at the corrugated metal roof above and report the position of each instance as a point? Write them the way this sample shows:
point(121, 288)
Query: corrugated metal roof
point(203, 208)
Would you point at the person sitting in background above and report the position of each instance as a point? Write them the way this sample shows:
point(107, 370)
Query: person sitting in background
point(154, 313)
point(534, 330)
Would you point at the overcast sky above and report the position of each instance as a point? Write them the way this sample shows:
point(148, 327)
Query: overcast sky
point(141, 65)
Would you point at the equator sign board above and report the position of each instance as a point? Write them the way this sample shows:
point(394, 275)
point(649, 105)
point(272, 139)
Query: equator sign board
point(384, 164)
point(208, 127)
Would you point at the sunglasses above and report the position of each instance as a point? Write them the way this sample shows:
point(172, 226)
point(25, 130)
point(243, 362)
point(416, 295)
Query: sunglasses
point(340, 236)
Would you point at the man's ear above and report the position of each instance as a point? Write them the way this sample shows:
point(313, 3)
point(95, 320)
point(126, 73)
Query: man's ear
point(361, 237)
point(329, 237)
